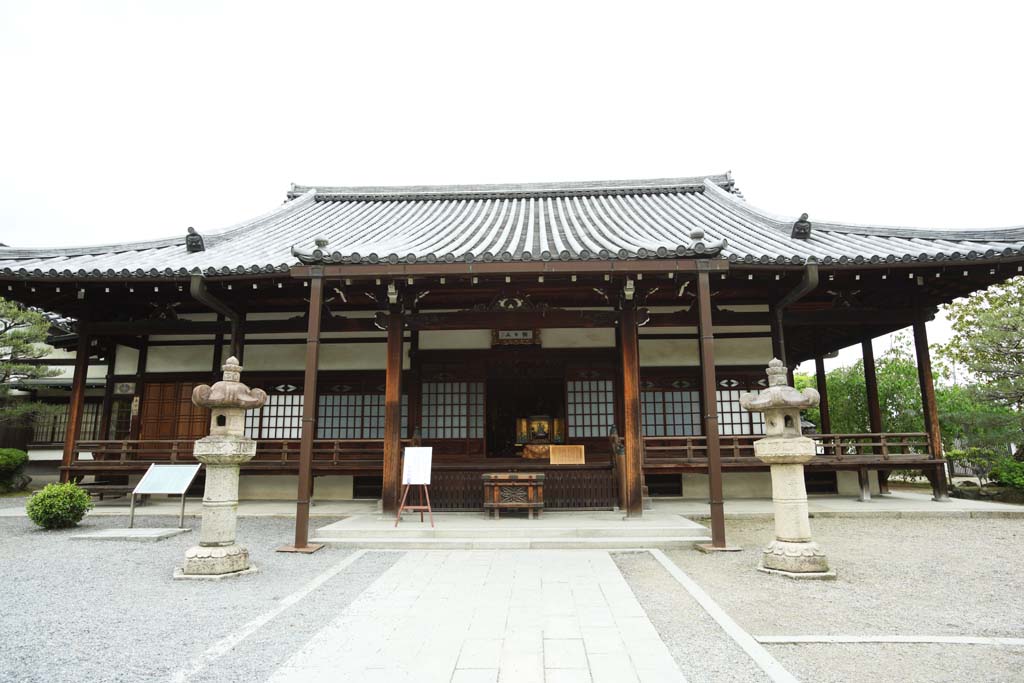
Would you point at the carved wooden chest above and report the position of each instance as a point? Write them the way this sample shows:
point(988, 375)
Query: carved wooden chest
point(513, 491)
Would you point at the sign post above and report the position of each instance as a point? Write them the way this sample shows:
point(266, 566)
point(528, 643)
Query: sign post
point(416, 472)
point(167, 479)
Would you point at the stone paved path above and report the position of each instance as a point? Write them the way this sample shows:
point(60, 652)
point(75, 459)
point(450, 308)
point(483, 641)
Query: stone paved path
point(490, 615)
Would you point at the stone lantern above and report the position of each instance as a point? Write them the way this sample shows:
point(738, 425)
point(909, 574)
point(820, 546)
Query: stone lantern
point(785, 449)
point(223, 451)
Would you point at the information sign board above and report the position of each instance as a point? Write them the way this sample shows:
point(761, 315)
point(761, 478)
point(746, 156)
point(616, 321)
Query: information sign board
point(416, 465)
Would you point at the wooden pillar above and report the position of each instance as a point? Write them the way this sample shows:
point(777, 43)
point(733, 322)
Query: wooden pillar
point(778, 344)
point(632, 469)
point(820, 377)
point(309, 404)
point(871, 386)
point(392, 470)
point(709, 390)
point(931, 414)
point(76, 405)
point(135, 420)
point(414, 390)
point(108, 394)
point(620, 421)
point(874, 413)
point(218, 352)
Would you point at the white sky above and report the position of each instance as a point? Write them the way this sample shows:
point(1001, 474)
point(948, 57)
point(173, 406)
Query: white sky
point(129, 120)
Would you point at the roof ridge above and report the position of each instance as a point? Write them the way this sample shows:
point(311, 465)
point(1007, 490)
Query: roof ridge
point(573, 188)
point(785, 224)
point(210, 236)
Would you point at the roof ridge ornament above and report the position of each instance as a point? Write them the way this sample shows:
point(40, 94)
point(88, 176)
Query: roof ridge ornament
point(194, 241)
point(317, 255)
point(699, 248)
point(801, 228)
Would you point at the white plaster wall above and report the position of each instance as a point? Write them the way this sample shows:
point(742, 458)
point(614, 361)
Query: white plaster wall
point(126, 360)
point(284, 487)
point(849, 485)
point(179, 358)
point(734, 485)
point(669, 352)
point(456, 339)
point(577, 337)
point(332, 357)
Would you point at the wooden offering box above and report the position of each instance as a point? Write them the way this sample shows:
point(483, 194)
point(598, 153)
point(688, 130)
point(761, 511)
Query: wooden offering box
point(513, 491)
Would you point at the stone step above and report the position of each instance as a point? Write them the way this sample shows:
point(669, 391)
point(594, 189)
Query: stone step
point(414, 529)
point(573, 543)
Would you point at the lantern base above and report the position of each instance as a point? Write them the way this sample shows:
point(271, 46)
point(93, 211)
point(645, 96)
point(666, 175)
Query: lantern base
point(821, 576)
point(796, 557)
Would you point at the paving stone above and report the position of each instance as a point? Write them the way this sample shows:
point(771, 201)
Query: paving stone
point(137, 534)
point(564, 654)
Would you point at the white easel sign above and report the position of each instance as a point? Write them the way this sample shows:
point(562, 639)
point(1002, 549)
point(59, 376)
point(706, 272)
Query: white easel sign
point(416, 465)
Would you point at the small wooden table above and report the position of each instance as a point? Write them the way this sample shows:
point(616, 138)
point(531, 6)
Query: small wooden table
point(513, 491)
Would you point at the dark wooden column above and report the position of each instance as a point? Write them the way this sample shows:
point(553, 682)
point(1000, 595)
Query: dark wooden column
point(709, 389)
point(820, 377)
point(76, 405)
point(874, 412)
point(620, 420)
point(633, 462)
point(940, 488)
point(135, 422)
point(414, 388)
point(871, 386)
point(309, 404)
point(393, 413)
point(778, 350)
point(108, 394)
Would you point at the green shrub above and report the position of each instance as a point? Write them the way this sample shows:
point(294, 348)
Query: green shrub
point(12, 462)
point(980, 461)
point(1009, 472)
point(58, 506)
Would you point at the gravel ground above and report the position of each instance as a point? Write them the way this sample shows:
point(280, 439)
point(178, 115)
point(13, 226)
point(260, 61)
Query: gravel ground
point(703, 651)
point(904, 663)
point(108, 610)
point(895, 576)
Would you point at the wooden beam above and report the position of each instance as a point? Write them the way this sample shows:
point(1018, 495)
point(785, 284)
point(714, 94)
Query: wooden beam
point(658, 265)
point(335, 323)
point(392, 469)
point(309, 405)
point(931, 413)
point(822, 380)
point(633, 437)
point(709, 387)
point(75, 406)
point(510, 320)
point(844, 317)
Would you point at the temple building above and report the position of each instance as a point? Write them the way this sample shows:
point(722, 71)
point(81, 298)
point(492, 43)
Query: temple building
point(498, 324)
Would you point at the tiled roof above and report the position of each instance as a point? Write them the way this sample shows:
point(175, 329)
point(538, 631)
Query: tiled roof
point(553, 221)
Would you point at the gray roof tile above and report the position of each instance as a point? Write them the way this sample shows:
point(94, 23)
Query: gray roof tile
point(548, 221)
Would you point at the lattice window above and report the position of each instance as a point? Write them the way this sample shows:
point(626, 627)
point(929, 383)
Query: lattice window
point(670, 413)
point(279, 418)
point(591, 406)
point(53, 427)
point(453, 410)
point(732, 418)
point(120, 419)
point(355, 416)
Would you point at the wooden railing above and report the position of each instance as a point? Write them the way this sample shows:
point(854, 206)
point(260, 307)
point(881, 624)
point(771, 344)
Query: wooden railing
point(269, 452)
point(681, 451)
point(455, 480)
